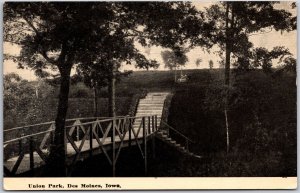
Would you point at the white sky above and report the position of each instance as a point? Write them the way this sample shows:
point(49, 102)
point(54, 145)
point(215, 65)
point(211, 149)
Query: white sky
point(267, 40)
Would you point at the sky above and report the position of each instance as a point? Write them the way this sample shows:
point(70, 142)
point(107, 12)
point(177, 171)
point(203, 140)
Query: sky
point(267, 40)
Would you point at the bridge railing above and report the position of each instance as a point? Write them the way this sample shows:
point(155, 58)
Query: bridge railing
point(81, 135)
point(15, 132)
point(87, 136)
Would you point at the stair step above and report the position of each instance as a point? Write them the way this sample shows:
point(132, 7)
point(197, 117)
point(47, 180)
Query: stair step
point(198, 156)
point(151, 104)
point(149, 110)
point(140, 114)
point(152, 100)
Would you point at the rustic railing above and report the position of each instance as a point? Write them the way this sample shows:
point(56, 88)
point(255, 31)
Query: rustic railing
point(83, 137)
point(166, 108)
point(172, 132)
point(135, 102)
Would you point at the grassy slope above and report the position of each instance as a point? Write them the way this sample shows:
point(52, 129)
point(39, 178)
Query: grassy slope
point(189, 113)
point(267, 148)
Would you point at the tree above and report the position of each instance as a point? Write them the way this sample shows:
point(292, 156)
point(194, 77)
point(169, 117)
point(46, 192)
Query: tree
point(235, 22)
point(211, 64)
point(17, 94)
point(96, 76)
point(198, 61)
point(59, 35)
point(174, 59)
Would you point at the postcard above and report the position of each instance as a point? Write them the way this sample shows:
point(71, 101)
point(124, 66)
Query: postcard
point(152, 95)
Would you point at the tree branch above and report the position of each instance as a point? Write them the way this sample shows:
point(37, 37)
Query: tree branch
point(32, 26)
point(44, 54)
point(13, 42)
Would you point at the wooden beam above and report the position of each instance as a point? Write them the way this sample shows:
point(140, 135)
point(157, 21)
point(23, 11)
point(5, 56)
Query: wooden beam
point(145, 144)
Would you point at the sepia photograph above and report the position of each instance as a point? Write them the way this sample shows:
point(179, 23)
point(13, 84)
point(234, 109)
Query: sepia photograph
point(164, 92)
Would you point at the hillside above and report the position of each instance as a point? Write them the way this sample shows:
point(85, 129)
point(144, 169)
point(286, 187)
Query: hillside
point(262, 121)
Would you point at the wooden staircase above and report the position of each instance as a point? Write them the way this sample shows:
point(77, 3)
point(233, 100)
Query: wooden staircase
point(165, 137)
point(153, 104)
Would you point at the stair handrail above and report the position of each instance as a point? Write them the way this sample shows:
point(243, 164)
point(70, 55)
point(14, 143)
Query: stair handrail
point(135, 103)
point(170, 127)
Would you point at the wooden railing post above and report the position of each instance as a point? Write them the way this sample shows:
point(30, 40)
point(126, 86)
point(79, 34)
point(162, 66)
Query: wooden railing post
point(155, 122)
point(77, 133)
point(91, 140)
point(31, 156)
point(153, 136)
point(149, 126)
point(130, 130)
point(152, 123)
point(113, 147)
point(168, 132)
point(145, 144)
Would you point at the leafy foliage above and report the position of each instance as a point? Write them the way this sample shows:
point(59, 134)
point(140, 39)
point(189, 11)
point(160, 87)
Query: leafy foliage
point(24, 101)
point(211, 64)
point(198, 61)
point(235, 22)
point(173, 59)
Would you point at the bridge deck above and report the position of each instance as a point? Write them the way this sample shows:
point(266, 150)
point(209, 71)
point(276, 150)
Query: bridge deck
point(70, 151)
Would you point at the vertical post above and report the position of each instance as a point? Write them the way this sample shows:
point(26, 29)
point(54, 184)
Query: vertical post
point(77, 133)
point(145, 144)
point(91, 140)
point(168, 132)
point(149, 126)
point(153, 136)
point(130, 128)
point(31, 155)
point(50, 141)
point(152, 121)
point(155, 122)
point(113, 147)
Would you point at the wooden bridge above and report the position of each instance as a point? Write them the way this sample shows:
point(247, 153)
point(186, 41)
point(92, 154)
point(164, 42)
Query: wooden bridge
point(27, 148)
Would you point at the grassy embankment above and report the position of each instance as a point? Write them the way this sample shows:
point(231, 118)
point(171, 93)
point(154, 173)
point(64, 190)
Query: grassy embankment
point(262, 123)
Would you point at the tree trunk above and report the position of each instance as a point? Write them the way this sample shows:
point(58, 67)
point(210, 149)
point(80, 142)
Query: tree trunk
point(57, 159)
point(227, 72)
point(95, 102)
point(111, 91)
point(175, 77)
point(228, 47)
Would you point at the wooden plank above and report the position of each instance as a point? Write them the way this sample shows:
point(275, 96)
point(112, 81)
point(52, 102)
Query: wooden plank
point(120, 146)
point(72, 143)
point(136, 138)
point(18, 162)
point(145, 144)
point(47, 136)
point(102, 148)
point(31, 149)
